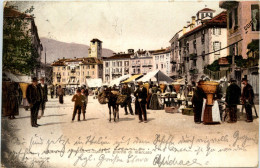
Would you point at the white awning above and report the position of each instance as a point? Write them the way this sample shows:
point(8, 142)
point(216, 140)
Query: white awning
point(159, 75)
point(92, 83)
point(118, 80)
point(11, 77)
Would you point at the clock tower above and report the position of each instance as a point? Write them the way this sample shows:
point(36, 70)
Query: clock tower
point(95, 49)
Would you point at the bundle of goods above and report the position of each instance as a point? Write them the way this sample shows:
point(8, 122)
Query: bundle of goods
point(187, 111)
point(102, 99)
point(121, 99)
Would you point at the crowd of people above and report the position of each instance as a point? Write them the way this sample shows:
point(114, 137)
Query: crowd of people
point(36, 96)
point(233, 97)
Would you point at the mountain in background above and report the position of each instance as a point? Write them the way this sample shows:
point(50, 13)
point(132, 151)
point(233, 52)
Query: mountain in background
point(57, 49)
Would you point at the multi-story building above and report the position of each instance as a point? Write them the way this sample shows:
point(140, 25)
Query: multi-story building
point(141, 62)
point(175, 61)
point(12, 13)
point(74, 72)
point(202, 45)
point(162, 60)
point(242, 29)
point(116, 66)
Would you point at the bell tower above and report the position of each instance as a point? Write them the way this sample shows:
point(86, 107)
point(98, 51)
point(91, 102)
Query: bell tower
point(95, 49)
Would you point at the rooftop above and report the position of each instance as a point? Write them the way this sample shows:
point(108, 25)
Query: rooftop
point(207, 10)
point(95, 39)
point(85, 61)
point(118, 56)
point(10, 12)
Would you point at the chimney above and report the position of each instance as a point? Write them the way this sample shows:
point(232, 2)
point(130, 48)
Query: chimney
point(193, 20)
point(184, 30)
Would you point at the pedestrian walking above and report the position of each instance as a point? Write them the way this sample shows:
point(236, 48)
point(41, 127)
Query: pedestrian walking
point(197, 103)
point(52, 91)
point(78, 98)
point(60, 93)
point(84, 93)
point(127, 91)
point(33, 96)
point(44, 96)
point(141, 95)
point(247, 99)
point(233, 94)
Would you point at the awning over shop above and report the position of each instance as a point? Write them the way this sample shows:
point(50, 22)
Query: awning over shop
point(10, 76)
point(24, 78)
point(118, 80)
point(92, 83)
point(132, 78)
point(180, 81)
point(159, 75)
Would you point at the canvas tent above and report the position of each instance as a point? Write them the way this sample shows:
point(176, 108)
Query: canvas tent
point(118, 80)
point(93, 83)
point(159, 75)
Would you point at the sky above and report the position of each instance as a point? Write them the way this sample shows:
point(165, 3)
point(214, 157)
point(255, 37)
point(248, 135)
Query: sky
point(120, 25)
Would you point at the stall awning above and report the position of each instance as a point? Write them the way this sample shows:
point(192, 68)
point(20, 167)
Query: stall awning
point(11, 77)
point(118, 80)
point(159, 75)
point(132, 78)
point(92, 83)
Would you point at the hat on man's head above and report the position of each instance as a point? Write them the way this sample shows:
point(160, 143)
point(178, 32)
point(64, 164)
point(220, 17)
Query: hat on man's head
point(42, 79)
point(34, 79)
point(244, 79)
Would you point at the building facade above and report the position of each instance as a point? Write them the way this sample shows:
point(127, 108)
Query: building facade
point(199, 43)
point(116, 66)
point(162, 60)
point(141, 62)
point(242, 29)
point(73, 73)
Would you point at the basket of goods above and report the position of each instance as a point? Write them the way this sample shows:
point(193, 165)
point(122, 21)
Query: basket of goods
point(121, 99)
point(115, 92)
point(209, 88)
point(177, 87)
point(102, 99)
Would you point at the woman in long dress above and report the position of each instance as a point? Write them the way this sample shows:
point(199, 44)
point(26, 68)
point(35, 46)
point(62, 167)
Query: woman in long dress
point(154, 103)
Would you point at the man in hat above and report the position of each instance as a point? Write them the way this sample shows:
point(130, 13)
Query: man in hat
point(127, 91)
point(33, 96)
point(197, 102)
point(233, 94)
point(247, 99)
point(44, 96)
point(141, 95)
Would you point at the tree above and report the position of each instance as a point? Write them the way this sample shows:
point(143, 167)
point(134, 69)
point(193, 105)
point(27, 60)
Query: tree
point(19, 54)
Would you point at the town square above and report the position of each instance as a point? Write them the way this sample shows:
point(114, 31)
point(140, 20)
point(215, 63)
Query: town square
point(130, 84)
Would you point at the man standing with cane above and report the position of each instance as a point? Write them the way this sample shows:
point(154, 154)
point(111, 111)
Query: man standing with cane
point(141, 95)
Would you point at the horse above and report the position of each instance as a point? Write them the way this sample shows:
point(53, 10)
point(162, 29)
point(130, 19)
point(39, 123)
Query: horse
point(111, 101)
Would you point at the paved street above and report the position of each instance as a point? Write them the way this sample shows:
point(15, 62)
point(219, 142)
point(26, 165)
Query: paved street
point(57, 122)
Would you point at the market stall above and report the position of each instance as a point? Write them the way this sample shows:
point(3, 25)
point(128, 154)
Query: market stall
point(117, 81)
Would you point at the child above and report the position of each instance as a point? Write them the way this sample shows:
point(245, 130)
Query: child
point(79, 100)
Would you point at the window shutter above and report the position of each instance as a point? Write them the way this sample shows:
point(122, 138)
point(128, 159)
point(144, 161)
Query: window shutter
point(219, 31)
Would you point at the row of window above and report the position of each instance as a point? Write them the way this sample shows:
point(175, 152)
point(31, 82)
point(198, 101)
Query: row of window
point(76, 67)
point(77, 73)
point(161, 57)
point(117, 63)
point(145, 62)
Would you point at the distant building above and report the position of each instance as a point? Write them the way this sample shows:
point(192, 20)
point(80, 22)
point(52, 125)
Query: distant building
point(73, 73)
point(243, 26)
point(162, 60)
point(141, 62)
point(116, 66)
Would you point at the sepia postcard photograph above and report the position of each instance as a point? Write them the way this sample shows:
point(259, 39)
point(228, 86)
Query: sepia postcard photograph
point(117, 83)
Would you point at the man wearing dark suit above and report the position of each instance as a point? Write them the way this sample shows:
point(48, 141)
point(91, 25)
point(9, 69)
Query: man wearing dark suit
point(42, 87)
point(127, 91)
point(33, 96)
point(248, 99)
point(141, 95)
